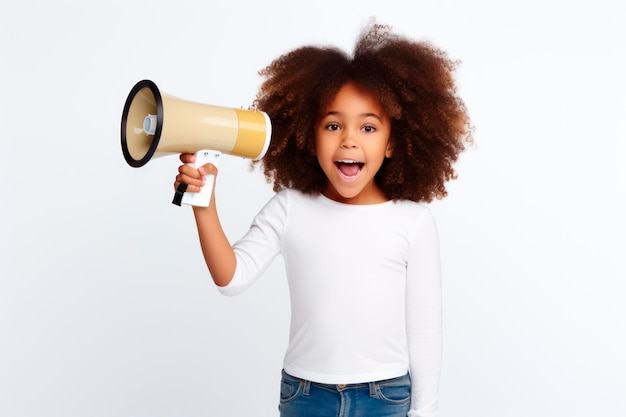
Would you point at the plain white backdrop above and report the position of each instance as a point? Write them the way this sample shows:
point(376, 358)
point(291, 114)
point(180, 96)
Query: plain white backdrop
point(106, 307)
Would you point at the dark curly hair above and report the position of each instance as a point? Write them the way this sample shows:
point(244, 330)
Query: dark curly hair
point(414, 85)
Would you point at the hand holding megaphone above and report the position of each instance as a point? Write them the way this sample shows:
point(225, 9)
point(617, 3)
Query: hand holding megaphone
point(187, 177)
point(155, 124)
point(194, 183)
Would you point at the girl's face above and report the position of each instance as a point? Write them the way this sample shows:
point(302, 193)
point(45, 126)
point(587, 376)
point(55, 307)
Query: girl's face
point(352, 141)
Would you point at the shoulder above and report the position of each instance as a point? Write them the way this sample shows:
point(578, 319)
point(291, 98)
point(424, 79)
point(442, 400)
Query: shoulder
point(411, 209)
point(416, 217)
point(291, 198)
point(285, 200)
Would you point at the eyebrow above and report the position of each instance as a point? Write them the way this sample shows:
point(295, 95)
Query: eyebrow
point(362, 115)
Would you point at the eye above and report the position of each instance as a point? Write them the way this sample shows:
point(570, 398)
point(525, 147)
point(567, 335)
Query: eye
point(368, 129)
point(332, 126)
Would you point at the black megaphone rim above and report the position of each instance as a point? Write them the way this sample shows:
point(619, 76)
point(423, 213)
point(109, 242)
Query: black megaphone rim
point(136, 163)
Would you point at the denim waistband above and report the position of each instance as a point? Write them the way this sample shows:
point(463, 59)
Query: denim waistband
point(372, 386)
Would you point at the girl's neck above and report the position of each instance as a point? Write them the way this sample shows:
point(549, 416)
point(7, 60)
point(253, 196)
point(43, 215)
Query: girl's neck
point(373, 196)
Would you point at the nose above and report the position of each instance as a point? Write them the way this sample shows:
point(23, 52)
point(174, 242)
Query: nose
point(348, 141)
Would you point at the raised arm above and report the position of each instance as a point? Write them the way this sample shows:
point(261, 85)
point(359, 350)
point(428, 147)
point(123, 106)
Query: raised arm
point(216, 248)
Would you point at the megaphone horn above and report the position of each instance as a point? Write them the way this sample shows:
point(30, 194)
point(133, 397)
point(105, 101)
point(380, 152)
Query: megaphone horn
point(156, 124)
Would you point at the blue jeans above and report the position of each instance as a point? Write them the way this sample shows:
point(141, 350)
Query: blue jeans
point(301, 398)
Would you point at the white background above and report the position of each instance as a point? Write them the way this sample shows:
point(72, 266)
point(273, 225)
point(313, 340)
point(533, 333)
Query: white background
point(106, 308)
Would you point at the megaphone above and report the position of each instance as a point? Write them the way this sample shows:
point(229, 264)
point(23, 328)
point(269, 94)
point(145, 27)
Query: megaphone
point(157, 124)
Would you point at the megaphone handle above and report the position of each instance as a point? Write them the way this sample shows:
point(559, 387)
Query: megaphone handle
point(203, 198)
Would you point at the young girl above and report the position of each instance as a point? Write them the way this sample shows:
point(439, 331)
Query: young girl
point(359, 144)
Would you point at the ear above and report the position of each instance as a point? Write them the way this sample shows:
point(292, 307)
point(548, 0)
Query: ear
point(389, 150)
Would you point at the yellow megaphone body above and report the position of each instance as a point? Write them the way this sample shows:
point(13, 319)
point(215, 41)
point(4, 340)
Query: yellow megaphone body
point(157, 124)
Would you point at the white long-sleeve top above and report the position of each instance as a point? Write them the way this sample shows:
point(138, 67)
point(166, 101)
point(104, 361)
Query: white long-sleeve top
point(365, 289)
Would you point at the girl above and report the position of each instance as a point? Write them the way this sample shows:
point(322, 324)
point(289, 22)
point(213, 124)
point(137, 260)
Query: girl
point(359, 144)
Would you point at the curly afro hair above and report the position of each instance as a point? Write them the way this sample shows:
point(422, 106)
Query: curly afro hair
point(413, 82)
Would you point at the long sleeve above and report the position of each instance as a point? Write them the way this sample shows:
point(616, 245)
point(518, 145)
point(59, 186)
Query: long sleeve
point(424, 319)
point(259, 246)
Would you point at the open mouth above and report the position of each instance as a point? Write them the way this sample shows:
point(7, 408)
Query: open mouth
point(348, 168)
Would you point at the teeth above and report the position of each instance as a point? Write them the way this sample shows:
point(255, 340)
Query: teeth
point(346, 161)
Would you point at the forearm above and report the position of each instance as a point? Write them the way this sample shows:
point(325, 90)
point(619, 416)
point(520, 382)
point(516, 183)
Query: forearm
point(216, 248)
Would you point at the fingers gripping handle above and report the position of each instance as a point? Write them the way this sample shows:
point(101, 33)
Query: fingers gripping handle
point(203, 198)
